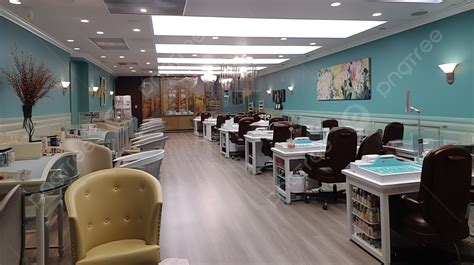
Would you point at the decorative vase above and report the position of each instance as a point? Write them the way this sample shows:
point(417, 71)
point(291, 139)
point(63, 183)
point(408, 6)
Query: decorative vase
point(28, 124)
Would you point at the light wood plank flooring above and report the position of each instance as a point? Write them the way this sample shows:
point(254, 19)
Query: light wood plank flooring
point(216, 213)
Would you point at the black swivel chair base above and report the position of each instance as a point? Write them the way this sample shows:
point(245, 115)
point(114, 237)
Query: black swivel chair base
point(333, 195)
point(237, 155)
point(267, 167)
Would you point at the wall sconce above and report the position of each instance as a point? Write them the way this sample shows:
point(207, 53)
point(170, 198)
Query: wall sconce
point(94, 90)
point(65, 85)
point(111, 93)
point(448, 69)
point(290, 88)
point(269, 91)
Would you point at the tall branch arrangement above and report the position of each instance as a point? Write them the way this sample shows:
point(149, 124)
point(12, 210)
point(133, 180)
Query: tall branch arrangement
point(29, 81)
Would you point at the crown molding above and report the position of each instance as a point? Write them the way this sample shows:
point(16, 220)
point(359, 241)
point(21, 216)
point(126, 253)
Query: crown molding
point(404, 27)
point(40, 33)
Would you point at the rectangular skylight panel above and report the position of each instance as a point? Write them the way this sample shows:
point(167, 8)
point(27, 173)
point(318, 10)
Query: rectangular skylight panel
point(219, 61)
point(259, 27)
point(410, 1)
point(197, 67)
point(232, 49)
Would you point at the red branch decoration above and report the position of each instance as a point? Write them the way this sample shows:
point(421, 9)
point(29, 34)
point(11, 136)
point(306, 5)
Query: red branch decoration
point(29, 82)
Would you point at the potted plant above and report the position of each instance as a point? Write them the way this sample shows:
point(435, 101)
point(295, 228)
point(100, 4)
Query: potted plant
point(30, 82)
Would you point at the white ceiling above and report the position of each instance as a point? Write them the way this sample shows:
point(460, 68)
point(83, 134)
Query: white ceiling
point(60, 19)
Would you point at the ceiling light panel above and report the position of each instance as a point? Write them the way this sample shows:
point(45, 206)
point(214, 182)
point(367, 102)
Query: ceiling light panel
point(197, 67)
point(219, 61)
point(232, 49)
point(259, 27)
point(178, 72)
point(410, 1)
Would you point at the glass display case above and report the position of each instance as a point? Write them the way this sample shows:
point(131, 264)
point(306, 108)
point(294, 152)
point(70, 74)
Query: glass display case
point(178, 95)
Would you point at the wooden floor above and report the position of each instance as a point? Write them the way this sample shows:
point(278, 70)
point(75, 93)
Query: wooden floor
point(215, 213)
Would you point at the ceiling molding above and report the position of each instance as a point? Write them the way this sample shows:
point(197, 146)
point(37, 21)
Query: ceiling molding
point(419, 22)
point(38, 32)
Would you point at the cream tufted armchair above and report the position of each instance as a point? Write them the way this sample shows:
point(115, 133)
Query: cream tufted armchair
point(115, 217)
point(90, 157)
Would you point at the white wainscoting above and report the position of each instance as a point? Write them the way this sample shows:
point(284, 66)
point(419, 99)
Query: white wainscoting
point(44, 125)
point(456, 129)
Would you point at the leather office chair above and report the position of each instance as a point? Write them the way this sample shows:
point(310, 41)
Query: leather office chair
point(331, 123)
point(238, 137)
point(11, 230)
point(257, 115)
point(115, 217)
point(371, 145)
point(281, 133)
point(204, 116)
point(340, 151)
point(221, 118)
point(274, 119)
point(238, 117)
point(438, 212)
point(393, 131)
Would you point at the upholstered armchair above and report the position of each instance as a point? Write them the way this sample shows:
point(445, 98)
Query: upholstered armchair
point(115, 217)
point(90, 157)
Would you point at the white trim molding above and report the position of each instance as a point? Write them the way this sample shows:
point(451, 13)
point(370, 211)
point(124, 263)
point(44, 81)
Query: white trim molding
point(45, 36)
point(44, 125)
point(452, 128)
point(382, 34)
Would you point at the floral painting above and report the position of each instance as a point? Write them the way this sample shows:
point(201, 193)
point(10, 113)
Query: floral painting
point(345, 81)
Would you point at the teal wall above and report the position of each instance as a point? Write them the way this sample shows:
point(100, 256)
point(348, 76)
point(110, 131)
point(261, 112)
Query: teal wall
point(81, 73)
point(42, 51)
point(406, 61)
point(85, 75)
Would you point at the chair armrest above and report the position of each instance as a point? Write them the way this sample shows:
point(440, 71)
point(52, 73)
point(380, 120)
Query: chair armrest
point(312, 162)
point(410, 204)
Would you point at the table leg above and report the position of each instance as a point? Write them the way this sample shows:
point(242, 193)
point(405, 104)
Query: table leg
point(349, 208)
point(38, 200)
point(287, 181)
point(254, 158)
point(227, 145)
point(385, 228)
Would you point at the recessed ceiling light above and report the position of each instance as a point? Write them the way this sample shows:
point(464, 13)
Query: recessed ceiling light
point(131, 67)
point(195, 49)
point(70, 40)
point(219, 61)
point(335, 4)
point(15, 2)
point(100, 32)
point(259, 27)
point(121, 56)
point(283, 38)
point(150, 72)
point(215, 38)
point(115, 66)
point(312, 43)
point(280, 56)
point(148, 63)
point(133, 71)
point(143, 10)
point(84, 20)
point(77, 49)
point(142, 50)
point(378, 14)
point(103, 56)
point(137, 30)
